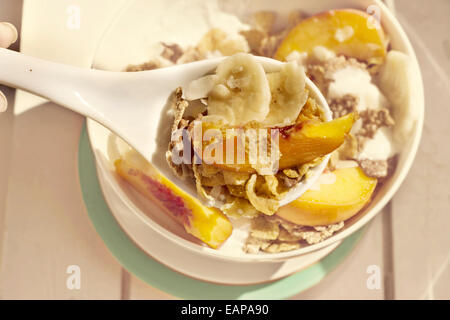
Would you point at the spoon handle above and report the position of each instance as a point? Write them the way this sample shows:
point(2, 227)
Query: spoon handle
point(54, 81)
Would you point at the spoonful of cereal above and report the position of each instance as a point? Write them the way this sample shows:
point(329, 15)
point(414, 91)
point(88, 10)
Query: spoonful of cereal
point(234, 94)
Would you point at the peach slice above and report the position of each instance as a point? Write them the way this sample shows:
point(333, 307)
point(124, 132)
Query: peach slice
point(207, 224)
point(350, 189)
point(299, 143)
point(311, 139)
point(350, 32)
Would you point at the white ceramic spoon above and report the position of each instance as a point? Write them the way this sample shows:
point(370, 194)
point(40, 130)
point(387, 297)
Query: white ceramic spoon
point(130, 104)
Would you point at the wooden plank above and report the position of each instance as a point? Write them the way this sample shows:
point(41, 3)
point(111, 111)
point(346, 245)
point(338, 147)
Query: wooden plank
point(349, 279)
point(12, 12)
point(6, 134)
point(139, 290)
point(46, 226)
point(421, 213)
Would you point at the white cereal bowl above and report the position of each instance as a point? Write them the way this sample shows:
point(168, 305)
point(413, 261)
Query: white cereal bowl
point(118, 49)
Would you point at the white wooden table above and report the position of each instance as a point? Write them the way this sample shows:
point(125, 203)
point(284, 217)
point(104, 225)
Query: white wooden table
point(44, 227)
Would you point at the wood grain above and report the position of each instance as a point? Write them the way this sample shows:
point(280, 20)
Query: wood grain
point(349, 279)
point(11, 11)
point(421, 208)
point(142, 291)
point(46, 225)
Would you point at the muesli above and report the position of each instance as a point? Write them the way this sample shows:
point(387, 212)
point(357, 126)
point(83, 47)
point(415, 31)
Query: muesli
point(349, 59)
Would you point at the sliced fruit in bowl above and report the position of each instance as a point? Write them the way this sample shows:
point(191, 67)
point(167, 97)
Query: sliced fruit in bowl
point(298, 144)
point(209, 225)
point(350, 32)
point(352, 37)
point(336, 196)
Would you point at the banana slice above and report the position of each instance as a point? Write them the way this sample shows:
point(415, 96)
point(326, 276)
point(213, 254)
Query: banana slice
point(199, 88)
point(241, 92)
point(288, 93)
point(396, 82)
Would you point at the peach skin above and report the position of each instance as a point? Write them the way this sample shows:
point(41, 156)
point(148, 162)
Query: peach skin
point(209, 225)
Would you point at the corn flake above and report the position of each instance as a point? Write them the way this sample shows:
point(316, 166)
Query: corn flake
point(263, 228)
point(265, 205)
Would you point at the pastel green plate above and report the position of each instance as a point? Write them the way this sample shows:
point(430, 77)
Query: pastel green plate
point(155, 274)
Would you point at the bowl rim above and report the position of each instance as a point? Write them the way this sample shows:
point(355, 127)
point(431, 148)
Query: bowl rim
point(363, 220)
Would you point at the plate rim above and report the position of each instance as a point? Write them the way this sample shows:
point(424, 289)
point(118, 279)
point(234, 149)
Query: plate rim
point(103, 181)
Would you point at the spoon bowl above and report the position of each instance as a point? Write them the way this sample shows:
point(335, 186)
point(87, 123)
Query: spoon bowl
point(130, 104)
